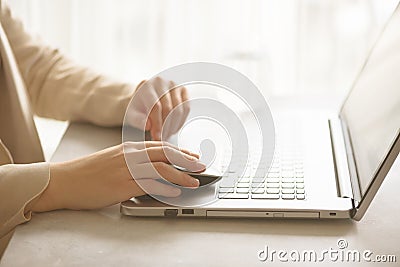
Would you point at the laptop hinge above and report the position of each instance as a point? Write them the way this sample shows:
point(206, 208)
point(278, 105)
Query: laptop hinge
point(351, 163)
point(343, 160)
point(342, 174)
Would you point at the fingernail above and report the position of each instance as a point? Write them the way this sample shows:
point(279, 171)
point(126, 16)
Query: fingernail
point(195, 182)
point(200, 166)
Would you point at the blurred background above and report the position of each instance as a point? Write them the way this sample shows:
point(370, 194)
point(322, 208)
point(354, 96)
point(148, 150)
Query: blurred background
point(291, 49)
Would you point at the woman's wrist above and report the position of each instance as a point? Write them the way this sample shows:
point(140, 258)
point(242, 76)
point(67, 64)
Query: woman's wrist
point(50, 198)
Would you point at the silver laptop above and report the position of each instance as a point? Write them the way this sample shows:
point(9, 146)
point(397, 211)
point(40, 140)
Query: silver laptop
point(323, 167)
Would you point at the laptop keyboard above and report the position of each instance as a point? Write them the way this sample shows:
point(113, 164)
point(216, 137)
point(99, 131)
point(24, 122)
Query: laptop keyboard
point(283, 180)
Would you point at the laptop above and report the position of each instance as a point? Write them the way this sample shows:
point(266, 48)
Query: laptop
point(323, 168)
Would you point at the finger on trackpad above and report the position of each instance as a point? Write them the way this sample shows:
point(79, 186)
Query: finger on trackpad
point(209, 176)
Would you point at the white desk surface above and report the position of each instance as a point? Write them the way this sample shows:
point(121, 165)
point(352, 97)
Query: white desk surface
point(107, 238)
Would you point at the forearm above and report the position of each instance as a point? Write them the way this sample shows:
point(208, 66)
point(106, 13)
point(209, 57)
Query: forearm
point(78, 94)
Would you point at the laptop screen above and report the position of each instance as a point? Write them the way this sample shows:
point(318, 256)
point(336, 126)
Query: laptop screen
point(372, 109)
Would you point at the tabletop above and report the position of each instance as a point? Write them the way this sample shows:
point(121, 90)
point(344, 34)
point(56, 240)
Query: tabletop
point(106, 238)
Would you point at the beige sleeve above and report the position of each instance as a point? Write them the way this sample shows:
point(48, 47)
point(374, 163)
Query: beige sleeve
point(19, 184)
point(59, 88)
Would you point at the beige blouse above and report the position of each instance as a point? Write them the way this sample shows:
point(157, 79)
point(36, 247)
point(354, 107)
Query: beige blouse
point(35, 78)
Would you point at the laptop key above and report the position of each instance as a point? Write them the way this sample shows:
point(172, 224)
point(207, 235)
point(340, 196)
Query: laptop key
point(272, 185)
point(287, 191)
point(272, 191)
point(258, 180)
point(256, 185)
point(226, 190)
point(233, 196)
point(244, 180)
point(243, 185)
point(300, 196)
point(257, 190)
point(242, 190)
point(300, 185)
point(287, 196)
point(287, 174)
point(300, 191)
point(272, 180)
point(259, 173)
point(265, 196)
point(287, 185)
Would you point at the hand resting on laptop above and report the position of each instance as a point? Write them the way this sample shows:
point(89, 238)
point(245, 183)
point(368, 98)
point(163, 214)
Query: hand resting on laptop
point(103, 178)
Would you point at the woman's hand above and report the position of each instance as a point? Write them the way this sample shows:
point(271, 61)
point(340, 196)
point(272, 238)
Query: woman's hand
point(152, 102)
point(103, 178)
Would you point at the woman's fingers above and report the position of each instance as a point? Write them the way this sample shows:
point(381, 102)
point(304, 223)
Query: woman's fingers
point(185, 103)
point(166, 104)
point(149, 144)
point(155, 170)
point(167, 154)
point(155, 99)
point(170, 155)
point(163, 92)
point(155, 117)
point(160, 108)
point(178, 115)
point(169, 100)
point(157, 144)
